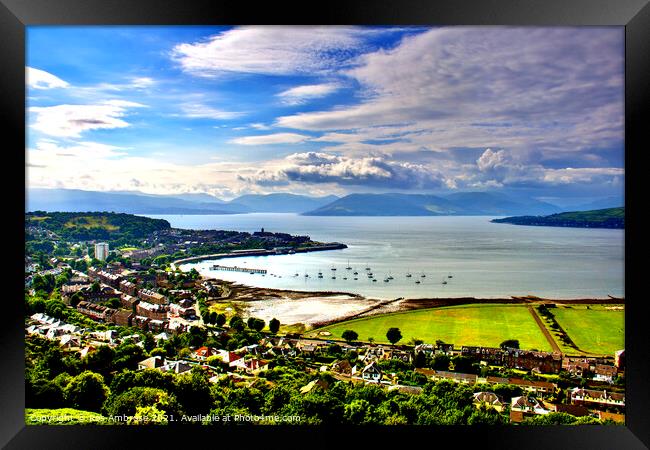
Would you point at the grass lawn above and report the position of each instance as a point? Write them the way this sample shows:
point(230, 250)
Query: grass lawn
point(486, 325)
point(63, 416)
point(595, 330)
point(91, 222)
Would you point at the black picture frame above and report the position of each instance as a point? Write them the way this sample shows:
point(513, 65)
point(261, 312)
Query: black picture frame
point(634, 15)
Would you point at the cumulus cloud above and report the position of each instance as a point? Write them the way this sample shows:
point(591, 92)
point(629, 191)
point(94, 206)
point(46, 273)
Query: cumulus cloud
point(301, 94)
point(271, 50)
point(316, 168)
point(490, 159)
point(40, 79)
point(72, 120)
point(268, 139)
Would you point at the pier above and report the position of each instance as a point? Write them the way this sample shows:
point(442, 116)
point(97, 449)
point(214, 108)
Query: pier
point(238, 269)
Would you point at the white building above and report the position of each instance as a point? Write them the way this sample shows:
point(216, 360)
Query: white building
point(101, 251)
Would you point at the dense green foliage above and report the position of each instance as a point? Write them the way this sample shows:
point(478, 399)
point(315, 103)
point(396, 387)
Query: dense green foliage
point(114, 228)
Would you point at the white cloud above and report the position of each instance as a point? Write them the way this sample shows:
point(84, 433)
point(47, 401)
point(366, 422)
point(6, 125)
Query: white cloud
point(372, 171)
point(200, 111)
point(548, 89)
point(277, 138)
point(273, 50)
point(72, 120)
point(490, 159)
point(40, 79)
point(301, 94)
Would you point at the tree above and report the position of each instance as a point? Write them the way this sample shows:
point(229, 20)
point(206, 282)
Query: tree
point(274, 325)
point(87, 391)
point(510, 343)
point(420, 360)
point(220, 320)
point(350, 335)
point(259, 325)
point(393, 335)
point(213, 317)
point(236, 323)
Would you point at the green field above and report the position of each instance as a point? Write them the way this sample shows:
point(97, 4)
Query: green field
point(594, 330)
point(485, 325)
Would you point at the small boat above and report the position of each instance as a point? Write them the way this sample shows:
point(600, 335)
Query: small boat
point(355, 278)
point(348, 267)
point(320, 275)
point(356, 273)
point(450, 276)
point(423, 276)
point(444, 281)
point(417, 282)
point(345, 278)
point(306, 275)
point(333, 278)
point(390, 277)
point(374, 280)
point(296, 275)
point(408, 275)
point(334, 268)
point(251, 273)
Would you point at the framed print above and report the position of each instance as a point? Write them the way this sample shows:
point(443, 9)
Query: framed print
point(382, 221)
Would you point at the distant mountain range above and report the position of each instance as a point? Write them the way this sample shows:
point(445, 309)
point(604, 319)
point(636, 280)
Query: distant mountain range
point(75, 200)
point(390, 204)
point(283, 202)
point(466, 203)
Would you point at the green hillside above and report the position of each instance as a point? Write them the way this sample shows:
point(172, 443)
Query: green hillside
point(111, 227)
point(598, 218)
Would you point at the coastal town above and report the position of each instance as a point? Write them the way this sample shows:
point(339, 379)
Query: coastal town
point(133, 299)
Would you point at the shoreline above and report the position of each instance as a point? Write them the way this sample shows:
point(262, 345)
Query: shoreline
point(251, 294)
point(257, 252)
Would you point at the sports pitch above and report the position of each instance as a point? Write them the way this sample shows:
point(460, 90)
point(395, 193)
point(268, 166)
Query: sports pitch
point(486, 325)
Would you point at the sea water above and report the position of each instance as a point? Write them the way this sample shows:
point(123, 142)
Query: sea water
point(484, 259)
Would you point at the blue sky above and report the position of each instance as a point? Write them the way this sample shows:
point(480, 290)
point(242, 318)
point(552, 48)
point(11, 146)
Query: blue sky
point(326, 110)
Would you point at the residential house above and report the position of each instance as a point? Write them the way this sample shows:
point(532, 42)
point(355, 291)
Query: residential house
point(545, 362)
point(150, 296)
point(177, 366)
point(154, 362)
point(574, 410)
point(458, 377)
point(151, 310)
point(606, 373)
point(228, 357)
point(96, 312)
point(129, 288)
point(342, 367)
point(427, 349)
point(539, 388)
point(521, 407)
point(203, 353)
point(491, 355)
point(490, 399)
point(69, 341)
point(371, 373)
point(251, 366)
point(596, 398)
